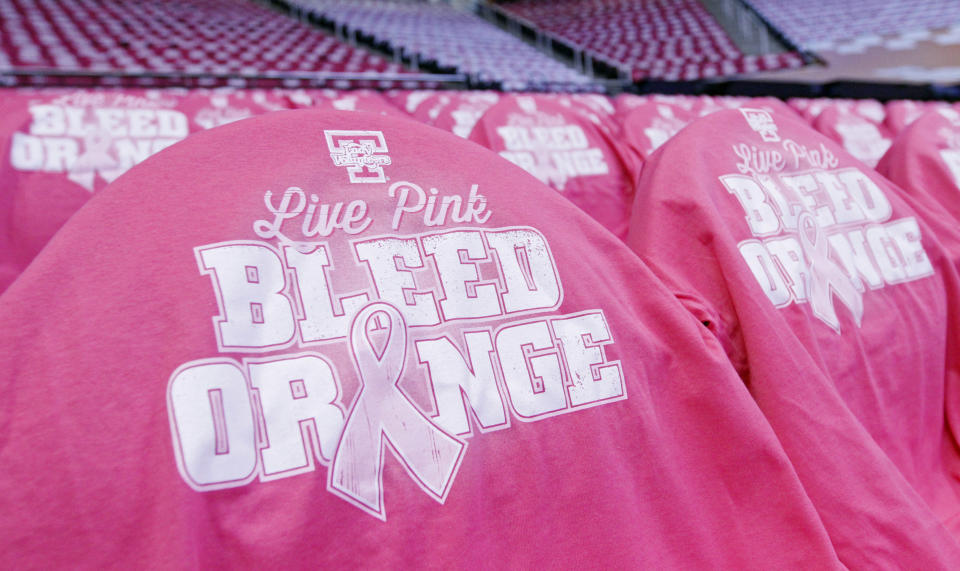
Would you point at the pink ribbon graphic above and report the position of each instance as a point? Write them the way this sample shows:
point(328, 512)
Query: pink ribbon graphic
point(382, 412)
point(95, 158)
point(825, 275)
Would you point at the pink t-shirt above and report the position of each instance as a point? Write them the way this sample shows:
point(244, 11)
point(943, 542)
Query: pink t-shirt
point(808, 108)
point(597, 108)
point(863, 135)
point(649, 122)
point(324, 339)
point(924, 160)
point(706, 104)
point(453, 111)
point(59, 147)
point(565, 150)
point(648, 126)
point(209, 108)
point(836, 305)
point(624, 103)
point(900, 114)
point(340, 100)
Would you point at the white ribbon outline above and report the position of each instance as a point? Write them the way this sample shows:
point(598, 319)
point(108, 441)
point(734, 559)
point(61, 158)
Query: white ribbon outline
point(824, 276)
point(382, 416)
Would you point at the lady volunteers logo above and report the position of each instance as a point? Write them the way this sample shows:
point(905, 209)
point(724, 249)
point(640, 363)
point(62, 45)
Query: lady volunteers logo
point(364, 153)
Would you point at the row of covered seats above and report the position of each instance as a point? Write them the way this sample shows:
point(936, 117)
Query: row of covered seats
point(629, 128)
point(61, 146)
point(207, 36)
point(358, 328)
point(667, 39)
point(452, 38)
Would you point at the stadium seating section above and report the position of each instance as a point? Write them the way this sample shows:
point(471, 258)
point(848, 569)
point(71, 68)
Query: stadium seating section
point(820, 25)
point(202, 37)
point(663, 39)
point(451, 38)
